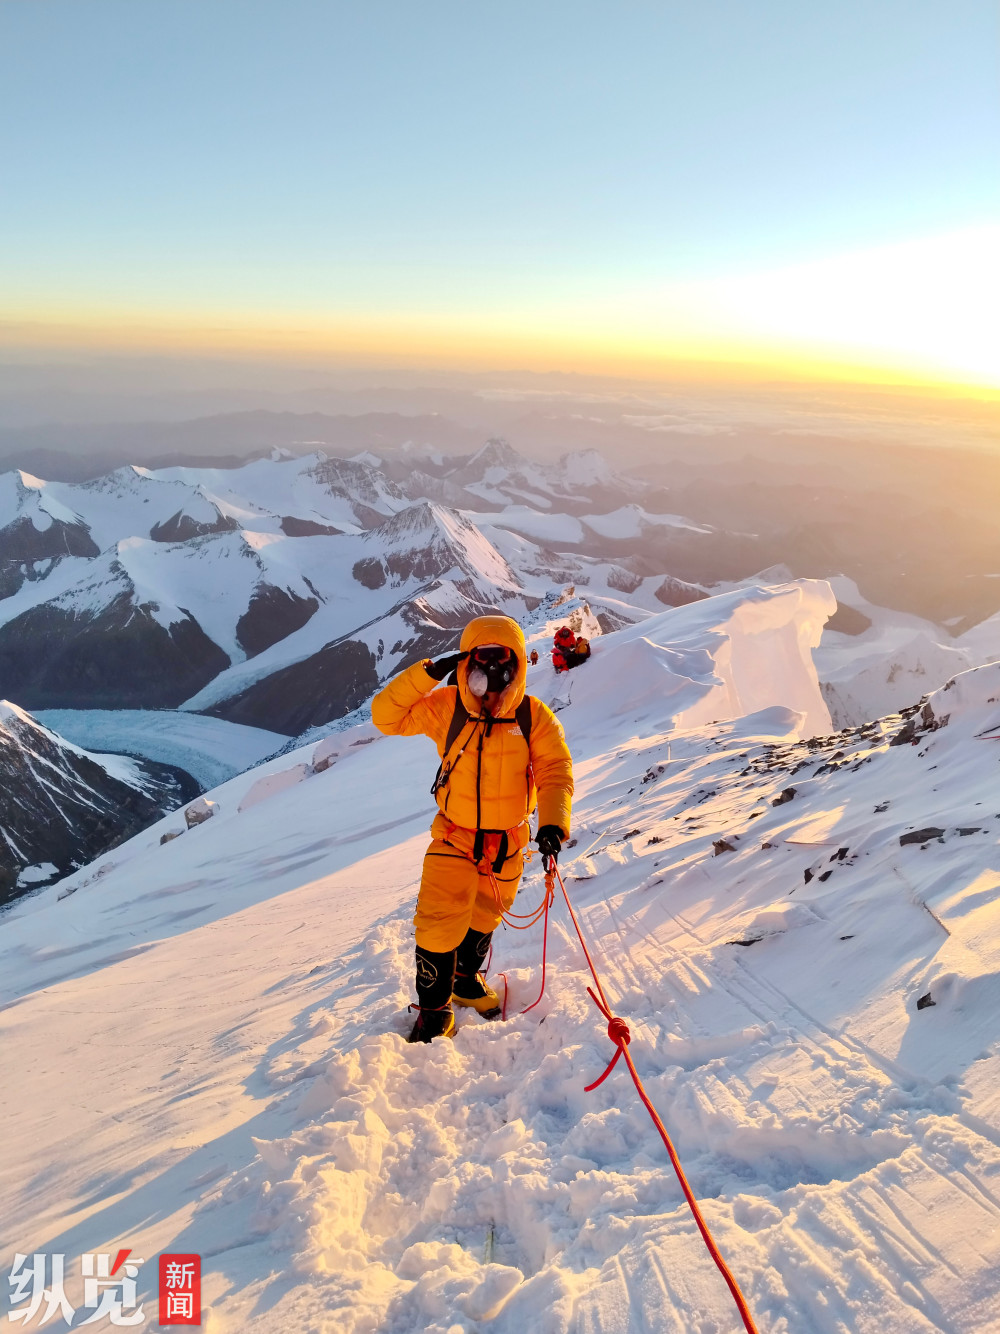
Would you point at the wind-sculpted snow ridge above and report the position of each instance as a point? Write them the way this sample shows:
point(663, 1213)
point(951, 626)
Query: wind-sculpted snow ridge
point(717, 658)
point(799, 929)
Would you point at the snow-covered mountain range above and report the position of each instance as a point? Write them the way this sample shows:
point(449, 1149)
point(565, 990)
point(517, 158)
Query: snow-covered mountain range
point(281, 593)
point(799, 924)
point(224, 591)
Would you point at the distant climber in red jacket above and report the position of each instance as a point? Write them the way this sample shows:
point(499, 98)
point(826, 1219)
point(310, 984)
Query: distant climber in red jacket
point(563, 644)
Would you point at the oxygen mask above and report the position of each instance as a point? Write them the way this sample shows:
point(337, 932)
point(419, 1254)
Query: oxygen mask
point(492, 667)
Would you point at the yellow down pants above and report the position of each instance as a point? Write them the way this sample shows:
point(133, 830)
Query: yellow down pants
point(454, 895)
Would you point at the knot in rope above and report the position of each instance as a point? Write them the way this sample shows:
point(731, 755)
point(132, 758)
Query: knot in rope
point(618, 1031)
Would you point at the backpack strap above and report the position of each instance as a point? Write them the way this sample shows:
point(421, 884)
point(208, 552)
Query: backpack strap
point(458, 720)
point(523, 715)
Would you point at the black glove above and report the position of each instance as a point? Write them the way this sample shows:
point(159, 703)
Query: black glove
point(549, 839)
point(440, 669)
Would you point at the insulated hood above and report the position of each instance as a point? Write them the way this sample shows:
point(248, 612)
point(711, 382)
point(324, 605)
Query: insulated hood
point(494, 630)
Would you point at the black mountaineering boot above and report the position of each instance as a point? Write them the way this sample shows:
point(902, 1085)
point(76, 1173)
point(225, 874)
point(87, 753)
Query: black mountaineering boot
point(471, 988)
point(435, 976)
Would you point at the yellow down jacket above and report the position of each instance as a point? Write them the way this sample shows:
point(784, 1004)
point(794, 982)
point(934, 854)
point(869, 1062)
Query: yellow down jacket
point(494, 772)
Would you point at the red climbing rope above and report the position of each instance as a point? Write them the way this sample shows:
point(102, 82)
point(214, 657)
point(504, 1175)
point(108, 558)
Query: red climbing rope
point(521, 922)
point(550, 894)
point(619, 1034)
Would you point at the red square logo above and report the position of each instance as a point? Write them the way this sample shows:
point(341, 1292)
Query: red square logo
point(180, 1290)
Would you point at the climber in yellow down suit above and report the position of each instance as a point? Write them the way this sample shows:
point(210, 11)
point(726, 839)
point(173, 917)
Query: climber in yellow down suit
point(501, 750)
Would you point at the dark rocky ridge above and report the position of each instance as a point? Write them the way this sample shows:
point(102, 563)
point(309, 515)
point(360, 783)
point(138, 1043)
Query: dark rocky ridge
point(678, 593)
point(63, 808)
point(323, 687)
point(848, 620)
point(22, 541)
point(181, 527)
point(273, 614)
point(293, 527)
point(121, 658)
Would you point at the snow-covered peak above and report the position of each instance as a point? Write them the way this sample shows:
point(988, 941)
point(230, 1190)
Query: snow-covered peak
point(23, 496)
point(428, 540)
point(28, 480)
point(133, 501)
point(583, 468)
point(11, 714)
point(632, 521)
point(415, 523)
point(360, 481)
point(496, 453)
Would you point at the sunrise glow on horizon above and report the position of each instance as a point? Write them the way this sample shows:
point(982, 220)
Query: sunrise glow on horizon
point(919, 313)
point(790, 194)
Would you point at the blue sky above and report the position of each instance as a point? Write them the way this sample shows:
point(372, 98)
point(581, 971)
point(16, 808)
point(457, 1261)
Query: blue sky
point(531, 162)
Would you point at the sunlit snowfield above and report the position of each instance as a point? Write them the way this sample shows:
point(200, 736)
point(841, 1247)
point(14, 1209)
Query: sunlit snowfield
point(208, 1034)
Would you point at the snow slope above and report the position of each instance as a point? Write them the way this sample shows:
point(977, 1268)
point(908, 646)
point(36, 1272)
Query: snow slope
point(237, 1001)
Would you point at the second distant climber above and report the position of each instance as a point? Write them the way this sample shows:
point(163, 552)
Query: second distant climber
point(501, 750)
point(569, 651)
